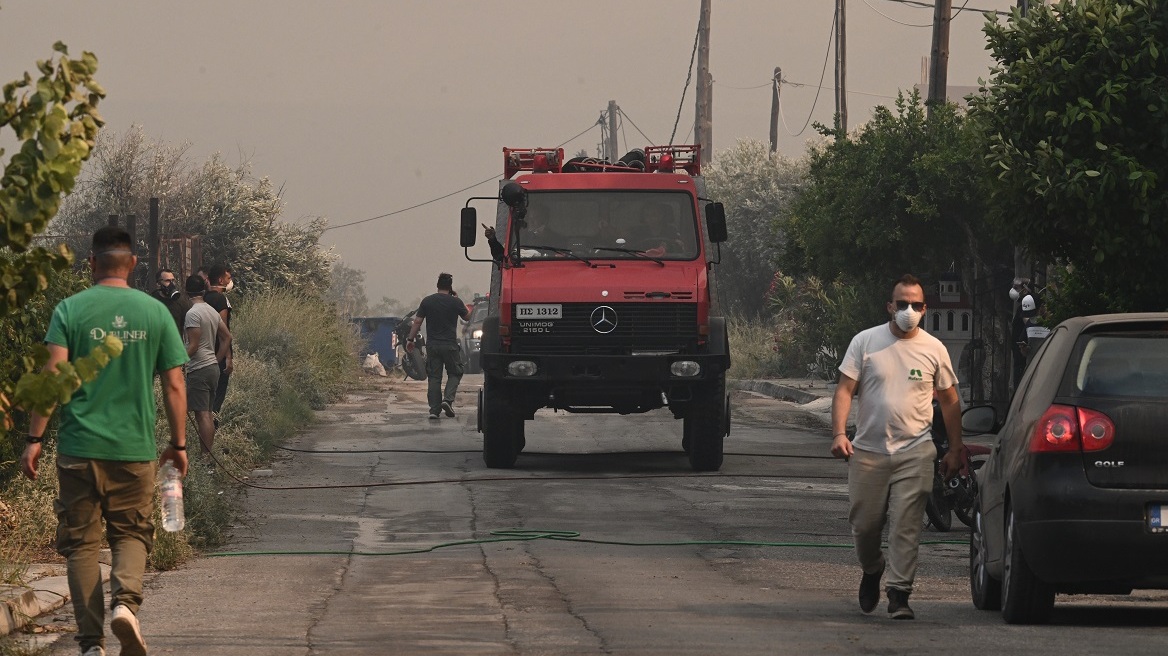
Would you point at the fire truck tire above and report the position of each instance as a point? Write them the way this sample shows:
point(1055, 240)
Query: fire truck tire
point(704, 427)
point(502, 427)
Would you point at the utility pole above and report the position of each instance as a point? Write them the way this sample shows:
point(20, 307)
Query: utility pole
point(841, 67)
point(610, 143)
point(939, 59)
point(775, 84)
point(703, 117)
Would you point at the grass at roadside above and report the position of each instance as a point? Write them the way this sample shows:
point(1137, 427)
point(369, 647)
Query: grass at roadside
point(753, 352)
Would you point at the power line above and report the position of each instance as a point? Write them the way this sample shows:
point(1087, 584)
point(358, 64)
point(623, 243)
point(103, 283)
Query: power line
point(822, 74)
point(688, 76)
point(443, 197)
point(861, 93)
point(632, 123)
point(894, 20)
point(727, 86)
point(918, 4)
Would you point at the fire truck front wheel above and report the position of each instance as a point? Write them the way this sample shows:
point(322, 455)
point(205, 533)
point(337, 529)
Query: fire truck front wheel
point(502, 427)
point(705, 425)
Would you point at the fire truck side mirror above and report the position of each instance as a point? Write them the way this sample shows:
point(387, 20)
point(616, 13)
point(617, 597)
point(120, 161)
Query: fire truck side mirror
point(469, 228)
point(716, 222)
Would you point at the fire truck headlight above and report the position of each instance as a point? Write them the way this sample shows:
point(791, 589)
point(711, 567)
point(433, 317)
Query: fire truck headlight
point(524, 368)
point(685, 368)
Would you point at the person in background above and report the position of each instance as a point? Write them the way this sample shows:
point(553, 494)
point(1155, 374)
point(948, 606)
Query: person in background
point(172, 297)
point(207, 341)
point(896, 367)
point(106, 446)
point(441, 311)
point(219, 283)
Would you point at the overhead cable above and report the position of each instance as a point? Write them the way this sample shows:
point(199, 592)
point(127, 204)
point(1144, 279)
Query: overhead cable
point(445, 196)
point(632, 123)
point(688, 76)
point(822, 74)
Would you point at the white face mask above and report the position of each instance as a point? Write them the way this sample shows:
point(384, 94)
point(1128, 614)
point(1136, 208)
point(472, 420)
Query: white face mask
point(1014, 294)
point(230, 286)
point(908, 318)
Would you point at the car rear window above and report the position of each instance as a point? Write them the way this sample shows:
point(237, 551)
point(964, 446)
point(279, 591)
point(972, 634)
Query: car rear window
point(1123, 364)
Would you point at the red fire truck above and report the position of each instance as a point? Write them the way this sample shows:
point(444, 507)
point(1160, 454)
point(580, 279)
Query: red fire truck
point(602, 296)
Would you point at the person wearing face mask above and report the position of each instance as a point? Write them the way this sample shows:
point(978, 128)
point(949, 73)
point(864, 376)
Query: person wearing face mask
point(171, 296)
point(896, 367)
point(219, 283)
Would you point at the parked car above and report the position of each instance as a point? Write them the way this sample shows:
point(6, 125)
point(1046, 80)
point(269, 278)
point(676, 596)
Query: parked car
point(1074, 496)
point(472, 332)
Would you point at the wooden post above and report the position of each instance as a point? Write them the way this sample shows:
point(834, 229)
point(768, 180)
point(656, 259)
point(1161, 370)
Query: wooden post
point(775, 84)
point(939, 60)
point(841, 68)
point(611, 143)
point(154, 242)
point(703, 118)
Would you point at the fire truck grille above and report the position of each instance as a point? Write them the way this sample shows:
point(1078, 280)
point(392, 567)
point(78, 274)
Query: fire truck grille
point(609, 329)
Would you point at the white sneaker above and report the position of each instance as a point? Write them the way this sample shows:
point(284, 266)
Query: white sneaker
point(125, 627)
point(93, 651)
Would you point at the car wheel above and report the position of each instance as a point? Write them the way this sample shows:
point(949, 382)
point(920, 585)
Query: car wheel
point(985, 589)
point(502, 427)
point(1025, 598)
point(704, 427)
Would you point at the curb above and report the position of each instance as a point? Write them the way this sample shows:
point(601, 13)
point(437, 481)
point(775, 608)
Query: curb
point(21, 604)
point(775, 390)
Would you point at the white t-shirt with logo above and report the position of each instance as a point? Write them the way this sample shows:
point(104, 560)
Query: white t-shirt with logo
point(896, 378)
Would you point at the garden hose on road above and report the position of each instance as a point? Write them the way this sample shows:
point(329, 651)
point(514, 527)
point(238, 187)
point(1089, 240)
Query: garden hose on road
point(529, 535)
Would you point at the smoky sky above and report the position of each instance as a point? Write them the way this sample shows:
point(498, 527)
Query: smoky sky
point(360, 108)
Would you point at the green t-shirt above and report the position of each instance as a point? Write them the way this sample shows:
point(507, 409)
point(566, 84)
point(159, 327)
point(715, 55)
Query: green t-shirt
point(112, 417)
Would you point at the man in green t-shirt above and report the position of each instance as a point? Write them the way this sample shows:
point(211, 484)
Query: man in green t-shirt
point(106, 446)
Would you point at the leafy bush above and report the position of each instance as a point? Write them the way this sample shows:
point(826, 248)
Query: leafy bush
point(815, 322)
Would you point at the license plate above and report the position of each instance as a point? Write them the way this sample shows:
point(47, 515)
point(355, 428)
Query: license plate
point(1158, 517)
point(532, 311)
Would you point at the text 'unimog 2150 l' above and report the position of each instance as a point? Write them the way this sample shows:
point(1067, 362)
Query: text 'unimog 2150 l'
point(602, 297)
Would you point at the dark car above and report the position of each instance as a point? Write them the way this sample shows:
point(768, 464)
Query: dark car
point(1074, 496)
point(472, 333)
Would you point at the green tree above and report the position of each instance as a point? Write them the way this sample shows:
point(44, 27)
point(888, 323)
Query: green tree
point(56, 122)
point(1075, 117)
point(900, 194)
point(236, 217)
point(757, 189)
point(347, 290)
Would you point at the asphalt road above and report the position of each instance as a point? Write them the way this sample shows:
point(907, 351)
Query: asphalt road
point(611, 479)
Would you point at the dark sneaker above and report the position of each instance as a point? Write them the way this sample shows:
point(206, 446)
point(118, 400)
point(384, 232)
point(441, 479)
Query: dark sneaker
point(434, 416)
point(898, 605)
point(447, 408)
point(870, 591)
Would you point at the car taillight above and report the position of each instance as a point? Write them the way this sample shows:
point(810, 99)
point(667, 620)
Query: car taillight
point(1057, 430)
point(1065, 428)
point(1097, 429)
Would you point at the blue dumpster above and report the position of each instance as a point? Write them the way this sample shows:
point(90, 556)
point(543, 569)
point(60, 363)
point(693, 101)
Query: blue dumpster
point(377, 333)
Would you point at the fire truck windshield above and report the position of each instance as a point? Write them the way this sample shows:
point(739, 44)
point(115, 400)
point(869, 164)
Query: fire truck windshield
point(608, 225)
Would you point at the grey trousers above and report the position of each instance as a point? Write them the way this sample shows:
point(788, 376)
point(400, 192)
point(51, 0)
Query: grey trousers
point(895, 487)
point(437, 359)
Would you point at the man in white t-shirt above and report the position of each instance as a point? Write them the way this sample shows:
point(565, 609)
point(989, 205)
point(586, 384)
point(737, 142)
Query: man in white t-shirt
point(203, 329)
point(896, 368)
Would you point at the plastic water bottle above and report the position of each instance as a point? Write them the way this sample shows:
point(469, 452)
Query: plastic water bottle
point(173, 519)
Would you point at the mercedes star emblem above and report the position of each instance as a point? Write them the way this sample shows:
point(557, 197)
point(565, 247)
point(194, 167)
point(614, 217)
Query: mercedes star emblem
point(603, 320)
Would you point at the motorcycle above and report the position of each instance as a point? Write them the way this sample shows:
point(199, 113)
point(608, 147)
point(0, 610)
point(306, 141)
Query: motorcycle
point(957, 495)
point(413, 363)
